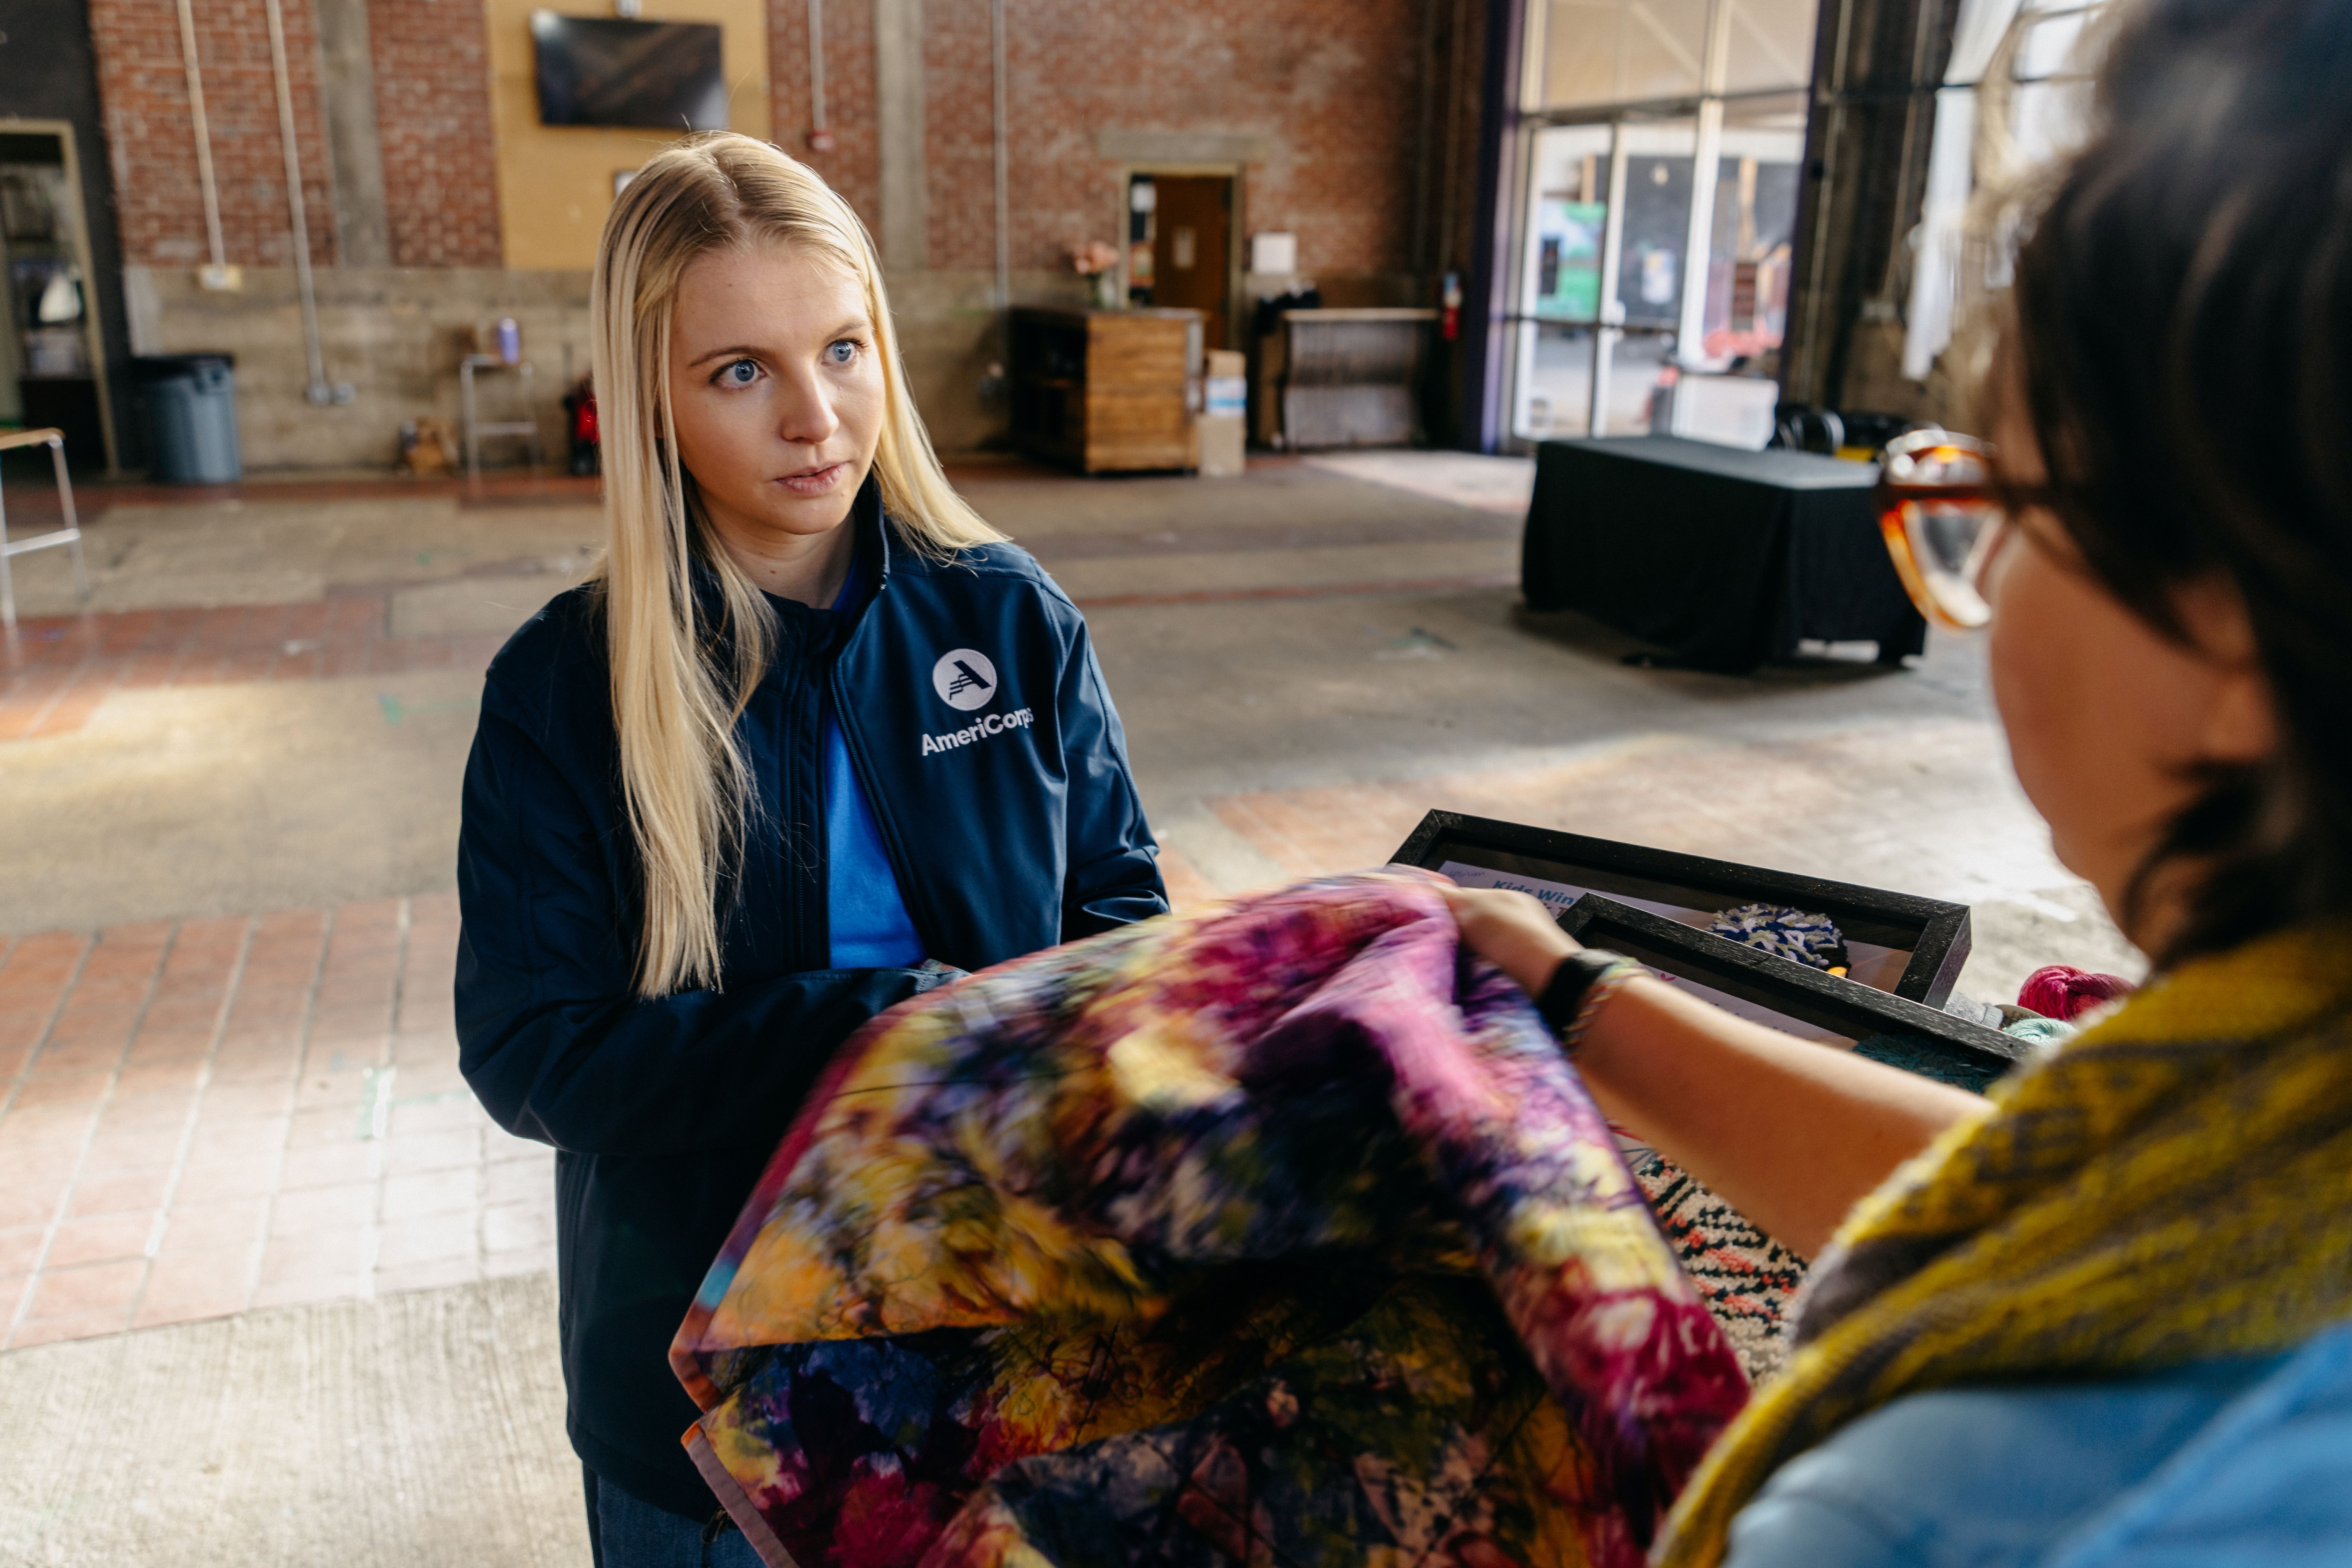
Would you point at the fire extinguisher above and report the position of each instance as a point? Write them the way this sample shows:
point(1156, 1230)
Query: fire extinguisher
point(1449, 321)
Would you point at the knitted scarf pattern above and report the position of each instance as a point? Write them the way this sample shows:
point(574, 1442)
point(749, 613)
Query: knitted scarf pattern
point(2174, 1184)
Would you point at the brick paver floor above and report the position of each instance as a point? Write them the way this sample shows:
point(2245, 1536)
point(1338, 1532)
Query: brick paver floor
point(215, 1114)
point(209, 1115)
point(59, 668)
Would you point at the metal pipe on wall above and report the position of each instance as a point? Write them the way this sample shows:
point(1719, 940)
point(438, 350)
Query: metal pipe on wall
point(1003, 203)
point(820, 136)
point(318, 391)
point(204, 140)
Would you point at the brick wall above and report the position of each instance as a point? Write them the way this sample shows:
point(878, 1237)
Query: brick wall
point(853, 167)
point(1332, 89)
point(152, 143)
point(433, 120)
point(1333, 86)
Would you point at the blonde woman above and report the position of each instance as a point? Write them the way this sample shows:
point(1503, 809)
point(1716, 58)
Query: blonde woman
point(815, 738)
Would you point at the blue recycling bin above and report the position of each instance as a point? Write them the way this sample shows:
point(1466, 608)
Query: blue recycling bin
point(192, 416)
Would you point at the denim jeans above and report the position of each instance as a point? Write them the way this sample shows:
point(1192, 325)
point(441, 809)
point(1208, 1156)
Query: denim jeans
point(625, 1531)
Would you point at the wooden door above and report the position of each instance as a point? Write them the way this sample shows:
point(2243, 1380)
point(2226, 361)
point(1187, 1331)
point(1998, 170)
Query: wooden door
point(1192, 250)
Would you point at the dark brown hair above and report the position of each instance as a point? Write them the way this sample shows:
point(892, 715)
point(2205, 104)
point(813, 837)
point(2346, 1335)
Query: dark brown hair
point(2182, 334)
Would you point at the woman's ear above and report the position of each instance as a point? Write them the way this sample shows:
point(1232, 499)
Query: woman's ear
point(2240, 720)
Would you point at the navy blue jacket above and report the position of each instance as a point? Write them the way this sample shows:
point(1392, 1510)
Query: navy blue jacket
point(979, 724)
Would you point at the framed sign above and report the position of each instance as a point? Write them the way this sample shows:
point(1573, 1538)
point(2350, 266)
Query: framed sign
point(1898, 944)
point(1793, 998)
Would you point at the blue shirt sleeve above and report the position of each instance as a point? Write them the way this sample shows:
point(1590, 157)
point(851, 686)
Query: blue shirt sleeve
point(2226, 1462)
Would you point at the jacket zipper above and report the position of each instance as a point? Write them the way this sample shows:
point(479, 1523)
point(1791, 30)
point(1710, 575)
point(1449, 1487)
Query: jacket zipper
point(799, 784)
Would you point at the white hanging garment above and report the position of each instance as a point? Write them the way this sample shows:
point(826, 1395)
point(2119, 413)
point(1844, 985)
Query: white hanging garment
point(61, 301)
point(1935, 275)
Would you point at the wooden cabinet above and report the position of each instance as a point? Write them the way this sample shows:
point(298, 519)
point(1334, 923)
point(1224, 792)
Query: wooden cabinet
point(1106, 391)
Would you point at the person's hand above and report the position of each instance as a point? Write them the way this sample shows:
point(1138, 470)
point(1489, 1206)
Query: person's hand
point(1511, 931)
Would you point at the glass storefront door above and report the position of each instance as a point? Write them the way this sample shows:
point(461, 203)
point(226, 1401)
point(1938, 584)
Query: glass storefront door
point(1656, 236)
point(1601, 298)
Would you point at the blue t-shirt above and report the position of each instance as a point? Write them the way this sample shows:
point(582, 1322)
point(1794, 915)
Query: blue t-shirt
point(2225, 1464)
point(870, 928)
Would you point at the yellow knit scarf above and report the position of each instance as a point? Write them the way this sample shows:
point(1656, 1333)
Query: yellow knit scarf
point(2174, 1183)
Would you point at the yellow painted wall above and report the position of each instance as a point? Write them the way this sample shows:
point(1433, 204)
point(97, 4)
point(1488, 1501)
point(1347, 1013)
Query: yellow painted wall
point(555, 182)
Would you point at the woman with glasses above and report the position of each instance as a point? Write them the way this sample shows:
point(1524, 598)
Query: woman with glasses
point(2104, 1314)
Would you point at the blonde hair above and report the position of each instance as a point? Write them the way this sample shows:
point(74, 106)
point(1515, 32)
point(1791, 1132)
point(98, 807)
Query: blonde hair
point(688, 783)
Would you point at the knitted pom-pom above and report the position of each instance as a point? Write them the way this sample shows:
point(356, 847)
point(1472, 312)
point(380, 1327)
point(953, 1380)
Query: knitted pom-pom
point(2061, 991)
point(1784, 932)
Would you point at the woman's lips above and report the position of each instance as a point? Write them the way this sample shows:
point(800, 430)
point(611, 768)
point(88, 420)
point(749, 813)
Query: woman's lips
point(814, 481)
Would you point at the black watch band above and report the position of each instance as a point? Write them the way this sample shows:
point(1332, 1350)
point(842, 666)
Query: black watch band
point(1564, 992)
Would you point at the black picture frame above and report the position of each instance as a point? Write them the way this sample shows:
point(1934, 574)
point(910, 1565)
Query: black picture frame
point(613, 71)
point(1935, 933)
point(1825, 1001)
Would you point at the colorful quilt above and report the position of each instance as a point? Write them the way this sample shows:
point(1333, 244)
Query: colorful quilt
point(1282, 1234)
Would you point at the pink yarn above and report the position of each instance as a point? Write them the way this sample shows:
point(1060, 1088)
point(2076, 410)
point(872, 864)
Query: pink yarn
point(2061, 991)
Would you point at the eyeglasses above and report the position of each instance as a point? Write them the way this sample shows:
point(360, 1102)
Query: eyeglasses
point(1943, 520)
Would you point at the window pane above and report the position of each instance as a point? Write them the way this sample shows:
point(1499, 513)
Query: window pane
point(1568, 210)
point(1569, 207)
point(1771, 45)
point(1659, 158)
point(1623, 51)
point(1755, 230)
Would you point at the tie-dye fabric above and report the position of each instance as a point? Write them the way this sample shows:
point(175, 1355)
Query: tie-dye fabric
point(1278, 1235)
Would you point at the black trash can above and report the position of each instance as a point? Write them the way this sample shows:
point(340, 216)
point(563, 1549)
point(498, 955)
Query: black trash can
point(192, 416)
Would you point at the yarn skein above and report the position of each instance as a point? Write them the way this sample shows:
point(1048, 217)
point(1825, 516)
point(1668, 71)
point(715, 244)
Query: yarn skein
point(2064, 992)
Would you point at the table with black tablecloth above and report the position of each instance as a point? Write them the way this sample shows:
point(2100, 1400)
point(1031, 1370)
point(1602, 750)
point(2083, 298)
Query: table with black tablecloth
point(1725, 559)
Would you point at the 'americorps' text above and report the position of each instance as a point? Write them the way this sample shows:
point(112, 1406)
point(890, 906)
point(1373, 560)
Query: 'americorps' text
point(993, 725)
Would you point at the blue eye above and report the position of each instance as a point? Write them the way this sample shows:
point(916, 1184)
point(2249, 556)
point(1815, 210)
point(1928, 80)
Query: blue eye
point(740, 372)
point(843, 352)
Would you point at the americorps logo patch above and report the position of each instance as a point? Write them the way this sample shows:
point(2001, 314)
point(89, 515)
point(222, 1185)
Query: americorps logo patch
point(964, 679)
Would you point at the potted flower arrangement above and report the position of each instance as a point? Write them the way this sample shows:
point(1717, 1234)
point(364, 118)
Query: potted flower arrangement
point(1098, 263)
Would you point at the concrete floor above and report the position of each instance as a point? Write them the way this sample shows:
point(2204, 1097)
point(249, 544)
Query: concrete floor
point(422, 1431)
point(1306, 659)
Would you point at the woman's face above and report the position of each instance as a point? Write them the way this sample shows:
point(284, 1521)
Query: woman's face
point(2110, 722)
point(776, 388)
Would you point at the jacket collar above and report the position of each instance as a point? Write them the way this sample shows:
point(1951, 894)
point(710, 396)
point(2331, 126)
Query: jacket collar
point(865, 518)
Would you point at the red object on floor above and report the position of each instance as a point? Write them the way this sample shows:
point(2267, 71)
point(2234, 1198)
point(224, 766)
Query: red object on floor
point(2061, 991)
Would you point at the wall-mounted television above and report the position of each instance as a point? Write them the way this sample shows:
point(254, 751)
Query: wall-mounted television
point(603, 70)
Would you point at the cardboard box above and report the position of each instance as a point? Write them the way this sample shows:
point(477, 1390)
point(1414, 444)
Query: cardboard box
point(1224, 413)
point(1224, 440)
